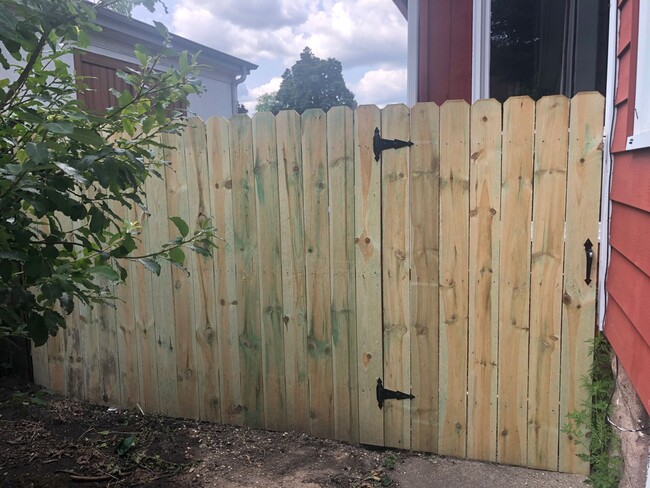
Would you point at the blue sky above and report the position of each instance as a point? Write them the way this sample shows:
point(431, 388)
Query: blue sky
point(367, 36)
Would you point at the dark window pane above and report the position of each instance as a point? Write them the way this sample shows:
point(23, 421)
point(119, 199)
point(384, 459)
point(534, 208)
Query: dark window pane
point(547, 47)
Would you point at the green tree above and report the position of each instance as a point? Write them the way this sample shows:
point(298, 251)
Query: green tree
point(266, 102)
point(59, 163)
point(313, 83)
point(125, 7)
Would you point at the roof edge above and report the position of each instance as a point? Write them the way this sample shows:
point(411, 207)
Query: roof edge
point(403, 7)
point(147, 33)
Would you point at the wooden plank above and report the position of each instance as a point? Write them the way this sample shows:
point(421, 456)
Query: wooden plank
point(202, 269)
point(395, 276)
point(183, 287)
point(484, 223)
point(340, 156)
point(92, 372)
point(55, 359)
point(127, 350)
point(579, 298)
point(424, 306)
point(246, 261)
point(218, 132)
point(454, 288)
point(551, 147)
point(319, 324)
point(157, 228)
point(40, 365)
point(367, 222)
point(72, 340)
point(142, 289)
point(108, 351)
point(514, 273)
point(294, 293)
point(265, 155)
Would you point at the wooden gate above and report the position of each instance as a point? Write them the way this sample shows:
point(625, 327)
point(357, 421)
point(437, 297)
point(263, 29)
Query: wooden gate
point(454, 270)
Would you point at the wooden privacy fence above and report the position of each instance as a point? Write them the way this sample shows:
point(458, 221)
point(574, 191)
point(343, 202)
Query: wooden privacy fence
point(454, 269)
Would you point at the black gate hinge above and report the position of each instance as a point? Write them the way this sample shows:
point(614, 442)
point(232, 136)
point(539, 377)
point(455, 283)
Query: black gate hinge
point(379, 144)
point(384, 394)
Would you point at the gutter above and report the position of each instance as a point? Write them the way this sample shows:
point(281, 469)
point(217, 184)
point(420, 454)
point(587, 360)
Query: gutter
point(238, 81)
point(605, 206)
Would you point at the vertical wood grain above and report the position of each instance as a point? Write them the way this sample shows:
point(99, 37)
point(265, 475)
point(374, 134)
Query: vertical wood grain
point(294, 293)
point(514, 278)
point(367, 221)
point(219, 155)
point(424, 306)
point(579, 298)
point(454, 287)
point(340, 157)
point(319, 323)
point(246, 262)
point(395, 276)
point(484, 222)
point(270, 268)
point(549, 200)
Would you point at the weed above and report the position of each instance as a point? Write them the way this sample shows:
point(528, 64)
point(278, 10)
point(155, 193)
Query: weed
point(389, 461)
point(589, 426)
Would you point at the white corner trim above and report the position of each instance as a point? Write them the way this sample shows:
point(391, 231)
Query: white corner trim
point(605, 207)
point(481, 12)
point(413, 52)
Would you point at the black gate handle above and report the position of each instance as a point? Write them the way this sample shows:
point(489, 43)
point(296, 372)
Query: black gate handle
point(589, 254)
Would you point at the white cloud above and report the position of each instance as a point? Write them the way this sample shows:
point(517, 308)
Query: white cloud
point(356, 32)
point(271, 86)
point(381, 86)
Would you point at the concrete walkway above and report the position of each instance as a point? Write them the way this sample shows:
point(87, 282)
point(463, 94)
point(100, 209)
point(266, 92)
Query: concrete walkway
point(432, 471)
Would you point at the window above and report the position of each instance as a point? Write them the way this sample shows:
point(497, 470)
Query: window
point(641, 134)
point(540, 47)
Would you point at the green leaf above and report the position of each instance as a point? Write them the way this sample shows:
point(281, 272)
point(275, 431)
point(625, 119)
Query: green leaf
point(13, 256)
point(105, 272)
point(125, 445)
point(161, 28)
point(65, 128)
point(177, 256)
point(86, 136)
point(37, 152)
point(151, 265)
point(181, 225)
point(125, 97)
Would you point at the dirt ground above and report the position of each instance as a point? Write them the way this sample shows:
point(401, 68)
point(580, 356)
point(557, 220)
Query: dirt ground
point(50, 441)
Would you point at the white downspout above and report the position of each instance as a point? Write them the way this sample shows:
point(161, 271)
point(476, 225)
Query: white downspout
point(605, 207)
point(413, 52)
point(235, 86)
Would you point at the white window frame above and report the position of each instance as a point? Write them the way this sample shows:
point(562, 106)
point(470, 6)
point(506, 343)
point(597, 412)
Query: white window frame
point(641, 133)
point(481, 25)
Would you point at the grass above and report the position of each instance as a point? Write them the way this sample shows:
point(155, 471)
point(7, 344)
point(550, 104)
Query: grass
point(589, 426)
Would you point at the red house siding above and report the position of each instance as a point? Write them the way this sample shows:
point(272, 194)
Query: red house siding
point(627, 321)
point(445, 51)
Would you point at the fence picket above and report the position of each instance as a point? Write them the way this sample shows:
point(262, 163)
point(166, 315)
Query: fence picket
point(246, 262)
point(579, 298)
point(551, 144)
point(484, 221)
point(270, 268)
point(514, 278)
point(395, 276)
point(367, 222)
point(219, 157)
point(340, 156)
point(454, 287)
point(424, 289)
point(319, 324)
point(197, 172)
point(294, 293)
